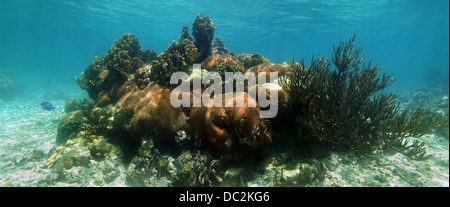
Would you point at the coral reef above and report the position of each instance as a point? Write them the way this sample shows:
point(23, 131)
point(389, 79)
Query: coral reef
point(237, 124)
point(141, 77)
point(219, 48)
point(340, 106)
point(153, 168)
point(185, 34)
point(147, 56)
point(250, 60)
point(74, 105)
point(281, 69)
point(131, 120)
point(143, 169)
point(99, 147)
point(80, 163)
point(69, 126)
point(434, 99)
point(83, 156)
point(70, 159)
point(106, 73)
point(222, 63)
point(203, 30)
point(179, 56)
point(416, 124)
point(101, 118)
point(149, 111)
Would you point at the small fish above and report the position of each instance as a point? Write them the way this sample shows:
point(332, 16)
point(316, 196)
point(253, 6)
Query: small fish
point(47, 106)
point(147, 74)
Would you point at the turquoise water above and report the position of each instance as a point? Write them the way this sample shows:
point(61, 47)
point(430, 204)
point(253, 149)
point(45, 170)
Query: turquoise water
point(45, 44)
point(57, 39)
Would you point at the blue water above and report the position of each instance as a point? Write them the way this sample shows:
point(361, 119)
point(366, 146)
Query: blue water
point(56, 39)
point(44, 44)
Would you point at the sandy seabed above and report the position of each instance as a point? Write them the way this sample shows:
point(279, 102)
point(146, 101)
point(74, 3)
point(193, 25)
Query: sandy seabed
point(27, 136)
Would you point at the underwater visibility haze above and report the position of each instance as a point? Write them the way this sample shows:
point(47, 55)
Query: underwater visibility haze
point(361, 93)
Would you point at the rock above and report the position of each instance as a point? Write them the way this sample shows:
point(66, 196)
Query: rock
point(332, 162)
point(99, 148)
point(233, 177)
point(77, 157)
point(69, 126)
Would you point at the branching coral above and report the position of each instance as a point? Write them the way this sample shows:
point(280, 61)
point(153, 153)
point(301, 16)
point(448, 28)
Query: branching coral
point(250, 60)
point(179, 56)
point(416, 124)
point(341, 106)
point(92, 76)
point(113, 69)
point(218, 47)
point(185, 34)
point(148, 56)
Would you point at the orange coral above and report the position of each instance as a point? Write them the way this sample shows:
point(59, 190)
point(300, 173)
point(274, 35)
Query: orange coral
point(152, 111)
point(113, 94)
point(212, 62)
point(282, 94)
point(271, 67)
point(219, 123)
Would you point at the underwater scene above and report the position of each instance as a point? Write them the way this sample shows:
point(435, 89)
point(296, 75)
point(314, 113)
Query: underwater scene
point(248, 93)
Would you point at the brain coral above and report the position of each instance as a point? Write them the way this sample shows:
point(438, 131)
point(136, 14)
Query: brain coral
point(217, 124)
point(213, 62)
point(271, 67)
point(151, 112)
